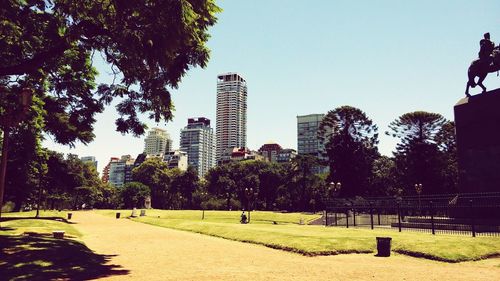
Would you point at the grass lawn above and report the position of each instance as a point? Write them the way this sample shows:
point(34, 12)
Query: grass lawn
point(260, 217)
point(41, 257)
point(25, 222)
point(318, 240)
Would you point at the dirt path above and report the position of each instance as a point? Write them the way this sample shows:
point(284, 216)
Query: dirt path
point(155, 253)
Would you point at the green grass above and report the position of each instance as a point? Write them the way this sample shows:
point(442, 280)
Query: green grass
point(318, 240)
point(258, 217)
point(41, 257)
point(44, 258)
point(25, 222)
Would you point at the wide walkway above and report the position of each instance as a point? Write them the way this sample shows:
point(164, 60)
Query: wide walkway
point(155, 253)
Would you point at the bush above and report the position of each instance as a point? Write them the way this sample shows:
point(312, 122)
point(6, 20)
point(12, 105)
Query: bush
point(8, 207)
point(220, 204)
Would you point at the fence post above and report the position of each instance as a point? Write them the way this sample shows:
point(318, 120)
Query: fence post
point(399, 217)
point(432, 219)
point(371, 215)
point(326, 217)
point(378, 215)
point(472, 222)
point(335, 217)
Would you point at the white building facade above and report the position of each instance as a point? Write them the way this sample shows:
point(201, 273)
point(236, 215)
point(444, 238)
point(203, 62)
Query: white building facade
point(176, 159)
point(120, 171)
point(231, 120)
point(308, 142)
point(157, 142)
point(197, 140)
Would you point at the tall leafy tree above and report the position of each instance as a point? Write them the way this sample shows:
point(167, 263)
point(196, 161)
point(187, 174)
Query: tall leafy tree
point(383, 181)
point(301, 183)
point(186, 184)
point(447, 144)
point(165, 183)
point(418, 159)
point(350, 139)
point(271, 178)
point(49, 46)
point(134, 194)
point(222, 181)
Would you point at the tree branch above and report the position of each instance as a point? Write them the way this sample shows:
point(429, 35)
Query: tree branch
point(39, 59)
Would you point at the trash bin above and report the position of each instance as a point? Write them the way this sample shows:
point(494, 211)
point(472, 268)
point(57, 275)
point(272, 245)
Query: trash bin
point(143, 213)
point(117, 215)
point(58, 234)
point(69, 216)
point(384, 246)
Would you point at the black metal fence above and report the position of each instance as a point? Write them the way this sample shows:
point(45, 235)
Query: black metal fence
point(467, 213)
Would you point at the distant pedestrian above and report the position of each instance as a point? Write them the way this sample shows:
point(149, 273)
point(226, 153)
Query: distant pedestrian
point(243, 218)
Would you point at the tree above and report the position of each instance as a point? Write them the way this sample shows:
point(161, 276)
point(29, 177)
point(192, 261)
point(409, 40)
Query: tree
point(222, 181)
point(447, 144)
point(186, 184)
point(49, 47)
point(271, 178)
point(351, 140)
point(134, 194)
point(383, 180)
point(162, 182)
point(70, 182)
point(418, 159)
point(301, 184)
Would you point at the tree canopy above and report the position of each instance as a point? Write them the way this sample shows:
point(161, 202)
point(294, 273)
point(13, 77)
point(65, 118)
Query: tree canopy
point(49, 47)
point(349, 137)
point(425, 153)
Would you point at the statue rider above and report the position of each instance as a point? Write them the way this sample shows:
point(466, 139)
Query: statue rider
point(486, 49)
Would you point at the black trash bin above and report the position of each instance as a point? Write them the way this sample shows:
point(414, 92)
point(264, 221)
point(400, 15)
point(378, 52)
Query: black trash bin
point(69, 216)
point(117, 215)
point(384, 246)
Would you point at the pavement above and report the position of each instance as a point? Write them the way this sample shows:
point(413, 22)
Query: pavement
point(156, 253)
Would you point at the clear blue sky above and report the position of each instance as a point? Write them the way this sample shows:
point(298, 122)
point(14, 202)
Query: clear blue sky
point(301, 57)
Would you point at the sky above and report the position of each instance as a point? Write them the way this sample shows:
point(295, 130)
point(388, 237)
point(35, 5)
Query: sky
point(386, 58)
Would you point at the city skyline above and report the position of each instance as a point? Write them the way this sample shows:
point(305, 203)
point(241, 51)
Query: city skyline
point(304, 59)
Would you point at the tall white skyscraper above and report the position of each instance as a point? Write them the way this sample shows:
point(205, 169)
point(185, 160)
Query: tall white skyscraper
point(157, 142)
point(231, 127)
point(197, 140)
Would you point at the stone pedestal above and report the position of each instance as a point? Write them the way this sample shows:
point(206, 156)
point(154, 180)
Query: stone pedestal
point(477, 121)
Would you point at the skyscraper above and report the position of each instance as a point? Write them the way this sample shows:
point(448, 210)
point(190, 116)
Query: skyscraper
point(231, 127)
point(157, 142)
point(197, 140)
point(308, 142)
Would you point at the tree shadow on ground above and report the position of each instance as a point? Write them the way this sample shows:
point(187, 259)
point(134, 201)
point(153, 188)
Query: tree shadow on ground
point(44, 258)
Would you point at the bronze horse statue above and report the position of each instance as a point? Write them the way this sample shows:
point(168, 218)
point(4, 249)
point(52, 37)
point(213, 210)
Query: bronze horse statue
point(479, 69)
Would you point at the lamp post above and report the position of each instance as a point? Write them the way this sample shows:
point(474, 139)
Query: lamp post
point(418, 189)
point(11, 119)
point(335, 187)
point(248, 195)
point(203, 197)
point(333, 190)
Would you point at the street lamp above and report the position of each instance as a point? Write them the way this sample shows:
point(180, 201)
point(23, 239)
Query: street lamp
point(418, 189)
point(11, 119)
point(334, 188)
point(203, 198)
point(248, 195)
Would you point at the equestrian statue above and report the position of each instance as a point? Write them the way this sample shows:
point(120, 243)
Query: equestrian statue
point(489, 61)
